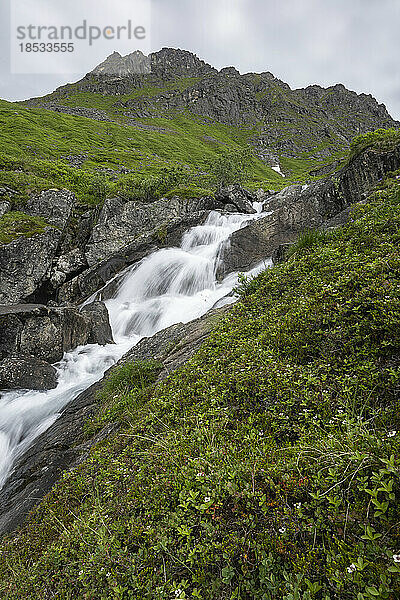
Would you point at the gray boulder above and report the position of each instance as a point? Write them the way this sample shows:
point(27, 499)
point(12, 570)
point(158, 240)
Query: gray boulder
point(239, 197)
point(54, 206)
point(27, 372)
point(47, 332)
point(121, 223)
point(25, 264)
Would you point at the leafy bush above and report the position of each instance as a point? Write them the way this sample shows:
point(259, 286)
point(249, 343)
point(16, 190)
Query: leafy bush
point(229, 168)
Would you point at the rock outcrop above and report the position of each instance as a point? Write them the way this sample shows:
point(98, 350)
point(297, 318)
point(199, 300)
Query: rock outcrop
point(120, 223)
point(238, 197)
point(27, 372)
point(25, 265)
point(47, 332)
point(26, 262)
point(64, 445)
point(54, 206)
point(91, 280)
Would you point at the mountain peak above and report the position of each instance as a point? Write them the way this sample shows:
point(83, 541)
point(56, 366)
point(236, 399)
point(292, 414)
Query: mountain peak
point(166, 62)
point(123, 66)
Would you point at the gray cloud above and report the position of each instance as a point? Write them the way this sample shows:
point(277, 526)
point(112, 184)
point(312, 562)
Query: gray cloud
point(354, 42)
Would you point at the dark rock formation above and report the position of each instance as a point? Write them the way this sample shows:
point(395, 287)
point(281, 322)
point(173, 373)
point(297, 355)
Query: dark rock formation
point(54, 206)
point(63, 446)
point(237, 196)
point(120, 223)
point(26, 262)
point(66, 265)
point(27, 372)
point(47, 332)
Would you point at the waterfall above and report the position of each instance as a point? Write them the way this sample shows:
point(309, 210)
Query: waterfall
point(171, 285)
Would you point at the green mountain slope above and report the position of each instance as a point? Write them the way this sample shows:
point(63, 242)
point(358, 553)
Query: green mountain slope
point(268, 467)
point(111, 132)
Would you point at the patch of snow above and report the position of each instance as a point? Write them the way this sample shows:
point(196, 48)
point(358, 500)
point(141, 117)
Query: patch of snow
point(277, 168)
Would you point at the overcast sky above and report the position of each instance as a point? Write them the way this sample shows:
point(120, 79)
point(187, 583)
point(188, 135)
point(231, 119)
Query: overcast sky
point(354, 42)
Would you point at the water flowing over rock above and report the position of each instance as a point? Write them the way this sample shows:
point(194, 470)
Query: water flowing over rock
point(120, 223)
point(299, 207)
point(163, 288)
point(64, 445)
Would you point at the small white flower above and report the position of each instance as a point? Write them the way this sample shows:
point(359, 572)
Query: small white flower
point(178, 593)
point(391, 433)
point(396, 558)
point(80, 572)
point(200, 474)
point(351, 568)
point(207, 499)
point(282, 529)
point(297, 505)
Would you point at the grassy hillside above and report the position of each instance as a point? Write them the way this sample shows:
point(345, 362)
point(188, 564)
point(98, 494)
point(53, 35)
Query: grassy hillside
point(267, 468)
point(43, 149)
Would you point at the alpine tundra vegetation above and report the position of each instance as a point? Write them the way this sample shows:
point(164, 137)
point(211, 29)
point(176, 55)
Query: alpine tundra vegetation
point(250, 454)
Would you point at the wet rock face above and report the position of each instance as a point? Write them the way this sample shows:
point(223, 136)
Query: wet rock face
point(47, 332)
point(27, 372)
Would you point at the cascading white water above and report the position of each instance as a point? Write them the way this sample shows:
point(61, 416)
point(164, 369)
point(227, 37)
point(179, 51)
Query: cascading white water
point(171, 285)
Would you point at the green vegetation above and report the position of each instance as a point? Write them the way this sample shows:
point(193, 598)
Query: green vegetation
point(94, 158)
point(267, 468)
point(124, 386)
point(16, 224)
point(229, 168)
point(380, 140)
point(42, 146)
point(308, 239)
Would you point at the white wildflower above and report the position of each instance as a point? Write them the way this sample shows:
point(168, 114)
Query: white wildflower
point(207, 499)
point(282, 529)
point(391, 433)
point(351, 568)
point(297, 505)
point(396, 558)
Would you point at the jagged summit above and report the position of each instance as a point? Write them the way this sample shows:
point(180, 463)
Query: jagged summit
point(164, 63)
point(121, 66)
